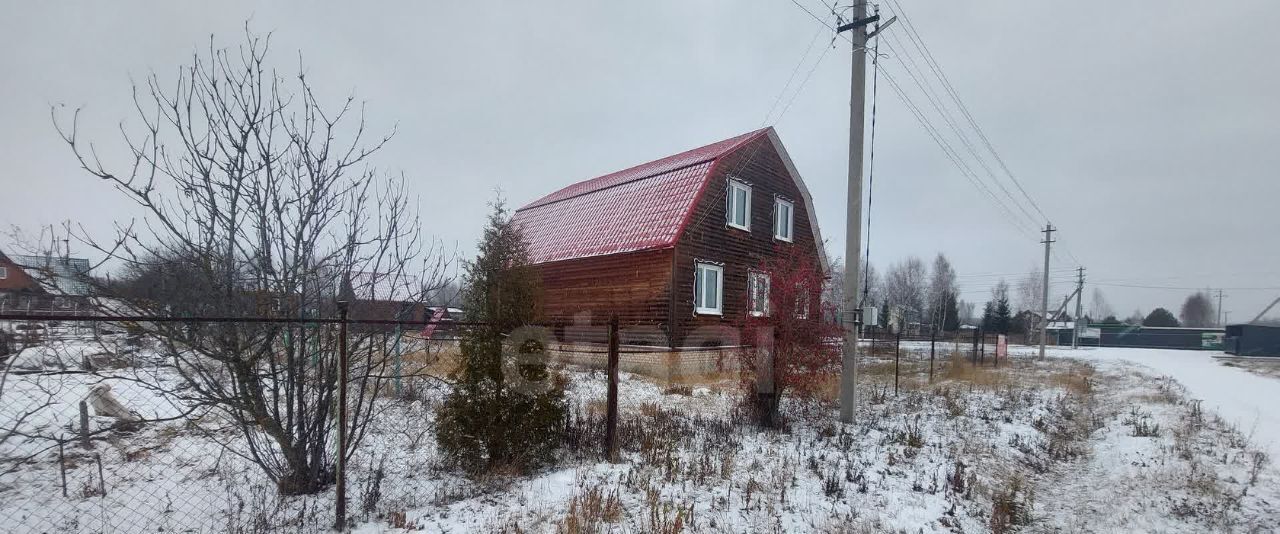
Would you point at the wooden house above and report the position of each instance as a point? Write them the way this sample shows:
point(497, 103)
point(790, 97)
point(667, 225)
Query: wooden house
point(670, 246)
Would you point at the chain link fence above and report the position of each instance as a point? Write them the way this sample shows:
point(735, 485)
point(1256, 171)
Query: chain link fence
point(172, 424)
point(106, 426)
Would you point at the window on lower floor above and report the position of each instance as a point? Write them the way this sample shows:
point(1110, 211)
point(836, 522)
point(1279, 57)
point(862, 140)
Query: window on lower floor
point(758, 285)
point(4, 273)
point(708, 287)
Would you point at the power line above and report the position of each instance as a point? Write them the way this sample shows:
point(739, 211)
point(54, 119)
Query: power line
point(871, 166)
point(792, 77)
point(923, 82)
point(803, 83)
point(951, 154)
point(1188, 288)
point(946, 82)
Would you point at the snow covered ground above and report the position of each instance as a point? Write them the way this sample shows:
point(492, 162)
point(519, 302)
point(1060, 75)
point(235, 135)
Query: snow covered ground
point(1245, 399)
point(1085, 441)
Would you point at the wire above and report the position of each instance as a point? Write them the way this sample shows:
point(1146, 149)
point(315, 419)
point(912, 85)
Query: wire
point(946, 82)
point(871, 166)
point(803, 82)
point(791, 78)
point(952, 155)
point(922, 82)
point(815, 17)
point(1140, 286)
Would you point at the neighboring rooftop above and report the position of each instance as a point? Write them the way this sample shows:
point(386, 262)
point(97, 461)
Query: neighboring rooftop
point(68, 274)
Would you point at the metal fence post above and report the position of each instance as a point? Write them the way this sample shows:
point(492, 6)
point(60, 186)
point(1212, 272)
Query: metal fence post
point(982, 348)
point(973, 355)
point(398, 363)
point(84, 426)
point(897, 357)
point(933, 343)
point(611, 416)
point(62, 464)
point(341, 490)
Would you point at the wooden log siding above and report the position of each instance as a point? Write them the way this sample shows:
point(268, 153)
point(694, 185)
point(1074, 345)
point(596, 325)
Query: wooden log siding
point(634, 285)
point(708, 237)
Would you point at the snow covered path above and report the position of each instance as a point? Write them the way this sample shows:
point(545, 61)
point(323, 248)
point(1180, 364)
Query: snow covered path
point(1245, 399)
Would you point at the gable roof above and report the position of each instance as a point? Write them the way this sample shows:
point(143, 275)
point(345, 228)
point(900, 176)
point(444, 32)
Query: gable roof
point(64, 275)
point(644, 207)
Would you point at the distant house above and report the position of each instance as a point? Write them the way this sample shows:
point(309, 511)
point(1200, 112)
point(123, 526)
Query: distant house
point(63, 275)
point(42, 283)
point(671, 246)
point(14, 280)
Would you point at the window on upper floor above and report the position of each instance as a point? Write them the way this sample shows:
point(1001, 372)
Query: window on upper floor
point(738, 205)
point(758, 285)
point(783, 211)
point(708, 286)
point(4, 273)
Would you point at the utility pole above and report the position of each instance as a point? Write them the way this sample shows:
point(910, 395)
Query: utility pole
point(1044, 298)
point(1075, 337)
point(1220, 308)
point(852, 316)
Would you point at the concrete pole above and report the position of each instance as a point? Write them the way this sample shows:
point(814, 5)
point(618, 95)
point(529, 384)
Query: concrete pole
point(851, 315)
point(1044, 302)
point(1220, 308)
point(1075, 336)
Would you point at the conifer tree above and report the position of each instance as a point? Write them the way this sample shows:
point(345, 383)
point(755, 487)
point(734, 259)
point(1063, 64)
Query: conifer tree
point(506, 409)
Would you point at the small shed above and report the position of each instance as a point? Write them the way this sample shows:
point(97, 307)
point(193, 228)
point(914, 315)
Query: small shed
point(1252, 340)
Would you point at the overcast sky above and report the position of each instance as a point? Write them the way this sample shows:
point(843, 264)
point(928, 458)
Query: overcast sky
point(1148, 133)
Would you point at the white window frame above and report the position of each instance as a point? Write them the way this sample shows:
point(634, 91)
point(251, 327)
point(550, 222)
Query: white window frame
point(699, 300)
point(778, 202)
point(4, 273)
point(752, 276)
point(737, 185)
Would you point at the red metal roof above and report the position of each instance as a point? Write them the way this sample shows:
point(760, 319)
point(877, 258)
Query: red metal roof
point(640, 208)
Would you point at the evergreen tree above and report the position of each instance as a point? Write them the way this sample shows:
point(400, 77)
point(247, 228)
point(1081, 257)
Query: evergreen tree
point(1160, 317)
point(989, 316)
point(505, 410)
point(951, 312)
point(1003, 318)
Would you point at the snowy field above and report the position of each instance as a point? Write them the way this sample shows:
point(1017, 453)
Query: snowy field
point(1246, 400)
point(1101, 440)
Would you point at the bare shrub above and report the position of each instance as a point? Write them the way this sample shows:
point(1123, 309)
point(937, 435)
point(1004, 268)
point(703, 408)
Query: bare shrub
point(1010, 506)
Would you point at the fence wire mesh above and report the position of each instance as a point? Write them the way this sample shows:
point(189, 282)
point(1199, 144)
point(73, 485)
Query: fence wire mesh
point(107, 427)
point(128, 424)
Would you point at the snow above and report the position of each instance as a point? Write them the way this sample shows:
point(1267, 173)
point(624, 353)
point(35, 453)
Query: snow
point(723, 475)
point(1245, 399)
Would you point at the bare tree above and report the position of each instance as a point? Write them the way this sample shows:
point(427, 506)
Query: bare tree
point(1198, 311)
point(1099, 308)
point(259, 201)
point(1029, 291)
point(905, 289)
point(966, 312)
point(942, 285)
point(1027, 295)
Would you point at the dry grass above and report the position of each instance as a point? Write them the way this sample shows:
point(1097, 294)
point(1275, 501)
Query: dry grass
point(1263, 367)
point(684, 384)
point(438, 359)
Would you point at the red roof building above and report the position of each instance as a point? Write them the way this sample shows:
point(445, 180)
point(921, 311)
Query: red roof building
point(668, 245)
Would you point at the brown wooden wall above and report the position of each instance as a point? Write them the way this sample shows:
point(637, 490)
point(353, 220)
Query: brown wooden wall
point(634, 285)
point(708, 237)
point(17, 279)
